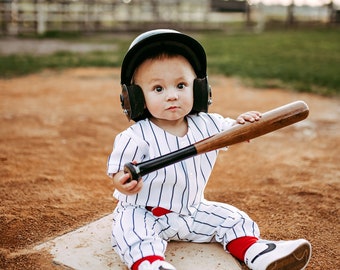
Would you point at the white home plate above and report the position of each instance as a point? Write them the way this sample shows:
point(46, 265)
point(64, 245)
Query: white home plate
point(89, 248)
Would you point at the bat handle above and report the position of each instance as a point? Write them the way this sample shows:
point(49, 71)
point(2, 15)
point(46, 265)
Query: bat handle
point(136, 171)
point(133, 170)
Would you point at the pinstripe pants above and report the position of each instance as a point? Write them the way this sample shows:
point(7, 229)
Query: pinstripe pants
point(137, 233)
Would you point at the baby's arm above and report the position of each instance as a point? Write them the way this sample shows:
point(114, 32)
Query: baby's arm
point(250, 116)
point(122, 184)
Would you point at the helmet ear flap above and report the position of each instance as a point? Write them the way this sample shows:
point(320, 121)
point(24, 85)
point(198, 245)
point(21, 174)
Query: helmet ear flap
point(132, 101)
point(202, 95)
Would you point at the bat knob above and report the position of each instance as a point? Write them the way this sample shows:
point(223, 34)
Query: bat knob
point(133, 170)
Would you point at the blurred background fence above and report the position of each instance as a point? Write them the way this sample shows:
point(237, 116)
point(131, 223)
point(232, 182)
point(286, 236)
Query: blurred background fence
point(42, 16)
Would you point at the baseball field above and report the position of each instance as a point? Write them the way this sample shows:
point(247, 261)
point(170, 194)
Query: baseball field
point(57, 130)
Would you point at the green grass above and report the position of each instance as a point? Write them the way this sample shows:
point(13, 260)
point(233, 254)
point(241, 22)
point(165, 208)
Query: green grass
point(306, 60)
point(296, 59)
point(16, 65)
point(23, 64)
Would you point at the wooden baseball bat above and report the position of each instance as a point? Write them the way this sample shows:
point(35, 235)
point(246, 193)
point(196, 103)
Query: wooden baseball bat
point(270, 121)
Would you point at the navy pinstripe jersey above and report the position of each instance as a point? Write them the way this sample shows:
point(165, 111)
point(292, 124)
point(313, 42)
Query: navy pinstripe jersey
point(178, 187)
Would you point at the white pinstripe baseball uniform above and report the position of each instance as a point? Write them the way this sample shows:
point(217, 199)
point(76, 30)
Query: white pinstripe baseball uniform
point(179, 188)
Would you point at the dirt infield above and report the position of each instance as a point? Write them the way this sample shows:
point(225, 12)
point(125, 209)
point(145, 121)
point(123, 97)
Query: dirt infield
point(57, 129)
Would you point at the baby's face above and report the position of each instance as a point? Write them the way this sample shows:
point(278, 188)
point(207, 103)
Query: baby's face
point(167, 85)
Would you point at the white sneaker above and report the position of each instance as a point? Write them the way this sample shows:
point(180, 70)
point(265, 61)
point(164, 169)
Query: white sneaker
point(278, 255)
point(156, 265)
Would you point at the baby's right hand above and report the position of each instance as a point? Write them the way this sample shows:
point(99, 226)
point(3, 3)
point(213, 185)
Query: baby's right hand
point(122, 184)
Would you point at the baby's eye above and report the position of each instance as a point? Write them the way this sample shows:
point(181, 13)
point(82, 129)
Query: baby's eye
point(158, 89)
point(181, 85)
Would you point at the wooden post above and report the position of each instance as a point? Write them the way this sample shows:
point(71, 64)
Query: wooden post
point(5, 17)
point(290, 13)
point(13, 27)
point(41, 17)
point(248, 13)
point(331, 12)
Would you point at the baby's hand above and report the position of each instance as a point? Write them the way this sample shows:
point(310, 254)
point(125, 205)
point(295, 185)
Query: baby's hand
point(121, 183)
point(250, 116)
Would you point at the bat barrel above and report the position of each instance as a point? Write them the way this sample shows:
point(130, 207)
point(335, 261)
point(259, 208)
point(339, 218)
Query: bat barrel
point(271, 120)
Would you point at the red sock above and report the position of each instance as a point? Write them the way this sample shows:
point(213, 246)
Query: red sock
point(239, 246)
point(151, 259)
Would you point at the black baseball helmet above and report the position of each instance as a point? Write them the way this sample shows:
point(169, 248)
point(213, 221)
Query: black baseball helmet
point(149, 44)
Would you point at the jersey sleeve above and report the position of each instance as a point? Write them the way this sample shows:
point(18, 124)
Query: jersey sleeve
point(228, 123)
point(127, 147)
point(223, 123)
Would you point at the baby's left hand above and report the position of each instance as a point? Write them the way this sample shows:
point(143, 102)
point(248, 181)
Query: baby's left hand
point(250, 116)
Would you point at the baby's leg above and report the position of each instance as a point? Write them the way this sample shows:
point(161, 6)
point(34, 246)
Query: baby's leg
point(223, 223)
point(134, 235)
